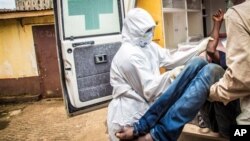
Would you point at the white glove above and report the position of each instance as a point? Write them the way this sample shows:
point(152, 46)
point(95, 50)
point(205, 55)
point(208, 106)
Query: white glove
point(175, 72)
point(203, 44)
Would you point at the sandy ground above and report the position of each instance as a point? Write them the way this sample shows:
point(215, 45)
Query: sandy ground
point(47, 120)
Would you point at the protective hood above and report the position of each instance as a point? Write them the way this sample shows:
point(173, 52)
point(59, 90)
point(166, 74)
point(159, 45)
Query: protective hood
point(136, 23)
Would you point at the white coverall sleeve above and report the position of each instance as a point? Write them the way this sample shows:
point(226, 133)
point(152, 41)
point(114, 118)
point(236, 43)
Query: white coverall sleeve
point(171, 59)
point(143, 80)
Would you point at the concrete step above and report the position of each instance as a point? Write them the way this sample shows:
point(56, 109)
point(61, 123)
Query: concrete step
point(206, 133)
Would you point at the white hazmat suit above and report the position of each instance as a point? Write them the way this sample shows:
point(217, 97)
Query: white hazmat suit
point(135, 75)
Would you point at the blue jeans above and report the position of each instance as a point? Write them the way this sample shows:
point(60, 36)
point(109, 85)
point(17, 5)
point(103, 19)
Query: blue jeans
point(180, 103)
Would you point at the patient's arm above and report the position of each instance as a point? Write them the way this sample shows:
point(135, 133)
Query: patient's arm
point(211, 46)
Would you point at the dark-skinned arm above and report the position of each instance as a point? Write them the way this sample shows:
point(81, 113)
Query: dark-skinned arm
point(212, 45)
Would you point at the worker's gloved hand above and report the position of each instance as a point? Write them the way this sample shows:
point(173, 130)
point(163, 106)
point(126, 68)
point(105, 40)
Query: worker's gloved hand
point(175, 72)
point(203, 44)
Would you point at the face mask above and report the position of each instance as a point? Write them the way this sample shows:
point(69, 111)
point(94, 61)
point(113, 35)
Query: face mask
point(146, 39)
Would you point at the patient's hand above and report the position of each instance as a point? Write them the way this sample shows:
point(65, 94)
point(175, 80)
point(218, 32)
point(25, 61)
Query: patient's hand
point(218, 16)
point(125, 134)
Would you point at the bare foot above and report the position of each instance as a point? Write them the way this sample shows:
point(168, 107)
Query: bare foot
point(125, 134)
point(147, 137)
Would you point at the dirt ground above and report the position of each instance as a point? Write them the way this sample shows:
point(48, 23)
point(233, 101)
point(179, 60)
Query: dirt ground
point(47, 120)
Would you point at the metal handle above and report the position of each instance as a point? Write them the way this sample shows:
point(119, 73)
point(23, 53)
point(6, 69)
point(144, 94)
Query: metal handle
point(87, 43)
point(101, 58)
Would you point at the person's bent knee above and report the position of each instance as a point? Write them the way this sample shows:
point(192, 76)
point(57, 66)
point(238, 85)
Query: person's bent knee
point(213, 71)
point(197, 62)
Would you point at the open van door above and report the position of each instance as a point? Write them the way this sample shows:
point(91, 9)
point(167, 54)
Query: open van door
point(88, 36)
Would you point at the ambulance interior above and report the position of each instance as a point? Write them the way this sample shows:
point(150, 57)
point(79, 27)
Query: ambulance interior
point(181, 22)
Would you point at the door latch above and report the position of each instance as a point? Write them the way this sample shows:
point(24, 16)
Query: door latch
point(101, 58)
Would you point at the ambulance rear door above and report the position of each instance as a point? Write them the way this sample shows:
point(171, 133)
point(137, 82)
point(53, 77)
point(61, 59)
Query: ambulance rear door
point(88, 36)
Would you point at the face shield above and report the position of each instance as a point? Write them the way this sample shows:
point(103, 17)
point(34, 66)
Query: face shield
point(147, 38)
point(138, 27)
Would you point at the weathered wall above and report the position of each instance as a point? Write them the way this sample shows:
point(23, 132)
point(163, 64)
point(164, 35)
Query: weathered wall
point(19, 73)
point(17, 52)
point(34, 4)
